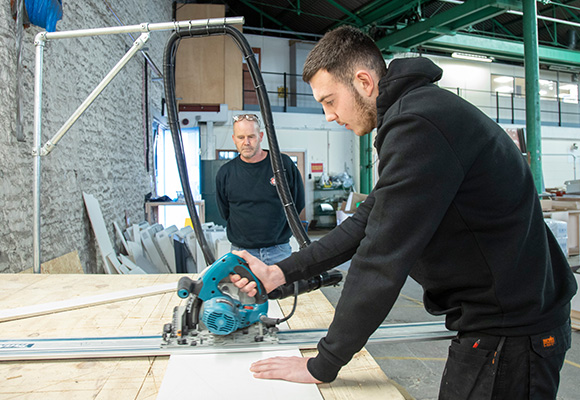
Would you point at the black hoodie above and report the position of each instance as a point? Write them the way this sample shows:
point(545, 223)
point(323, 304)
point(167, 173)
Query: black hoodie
point(455, 208)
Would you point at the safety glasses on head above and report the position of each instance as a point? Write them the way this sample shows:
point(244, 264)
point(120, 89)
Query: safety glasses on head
point(249, 117)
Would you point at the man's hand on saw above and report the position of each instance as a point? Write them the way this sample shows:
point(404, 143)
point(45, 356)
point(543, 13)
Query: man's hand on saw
point(291, 369)
point(271, 276)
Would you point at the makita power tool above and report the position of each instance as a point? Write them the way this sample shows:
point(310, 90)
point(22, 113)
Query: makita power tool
point(229, 315)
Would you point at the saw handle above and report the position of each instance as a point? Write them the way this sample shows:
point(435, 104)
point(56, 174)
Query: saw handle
point(185, 287)
point(244, 271)
point(207, 285)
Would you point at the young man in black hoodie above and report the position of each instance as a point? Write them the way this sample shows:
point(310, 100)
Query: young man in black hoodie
point(455, 208)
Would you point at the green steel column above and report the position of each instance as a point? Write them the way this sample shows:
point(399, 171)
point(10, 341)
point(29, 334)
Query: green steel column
point(532, 70)
point(366, 164)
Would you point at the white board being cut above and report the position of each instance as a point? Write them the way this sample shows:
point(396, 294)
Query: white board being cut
point(228, 376)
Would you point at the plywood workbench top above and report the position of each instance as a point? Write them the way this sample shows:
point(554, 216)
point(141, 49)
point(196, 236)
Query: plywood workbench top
point(135, 378)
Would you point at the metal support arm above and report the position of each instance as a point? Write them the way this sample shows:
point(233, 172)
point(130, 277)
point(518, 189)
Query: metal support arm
point(39, 41)
point(137, 45)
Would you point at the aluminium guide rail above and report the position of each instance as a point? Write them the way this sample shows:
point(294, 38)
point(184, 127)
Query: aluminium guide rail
point(146, 346)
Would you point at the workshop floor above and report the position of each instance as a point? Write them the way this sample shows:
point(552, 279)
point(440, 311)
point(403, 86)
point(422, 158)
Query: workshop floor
point(418, 366)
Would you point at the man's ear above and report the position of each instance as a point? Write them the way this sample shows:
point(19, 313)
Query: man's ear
point(364, 82)
point(261, 135)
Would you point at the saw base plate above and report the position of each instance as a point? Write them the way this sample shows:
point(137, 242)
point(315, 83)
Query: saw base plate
point(253, 334)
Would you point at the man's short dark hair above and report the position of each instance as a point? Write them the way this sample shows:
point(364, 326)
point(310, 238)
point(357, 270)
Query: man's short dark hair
point(340, 52)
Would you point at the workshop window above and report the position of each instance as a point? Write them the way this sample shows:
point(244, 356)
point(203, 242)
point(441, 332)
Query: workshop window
point(226, 154)
point(568, 92)
point(505, 85)
point(548, 90)
point(502, 85)
point(167, 176)
point(294, 160)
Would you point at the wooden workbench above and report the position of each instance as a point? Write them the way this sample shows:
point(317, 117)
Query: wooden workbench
point(135, 378)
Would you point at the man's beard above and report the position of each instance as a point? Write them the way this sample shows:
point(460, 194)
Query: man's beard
point(252, 152)
point(367, 112)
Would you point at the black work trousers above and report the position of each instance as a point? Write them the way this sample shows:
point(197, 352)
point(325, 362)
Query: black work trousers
point(486, 367)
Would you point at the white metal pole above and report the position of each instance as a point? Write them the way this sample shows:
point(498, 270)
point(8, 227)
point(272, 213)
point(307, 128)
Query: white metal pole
point(39, 42)
point(137, 45)
point(36, 152)
point(145, 27)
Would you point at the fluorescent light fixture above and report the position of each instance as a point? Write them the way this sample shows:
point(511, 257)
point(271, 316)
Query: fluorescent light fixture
point(472, 57)
point(564, 68)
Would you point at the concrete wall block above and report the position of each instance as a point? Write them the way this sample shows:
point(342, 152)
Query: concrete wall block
point(102, 154)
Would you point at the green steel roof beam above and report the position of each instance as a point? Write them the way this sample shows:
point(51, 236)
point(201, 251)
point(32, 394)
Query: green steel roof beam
point(437, 31)
point(551, 30)
point(440, 31)
point(397, 49)
point(369, 7)
point(543, 26)
point(555, 33)
point(574, 16)
point(503, 28)
point(286, 8)
point(347, 12)
point(262, 13)
point(296, 7)
point(364, 9)
point(506, 49)
point(434, 32)
point(569, 12)
point(390, 10)
point(468, 13)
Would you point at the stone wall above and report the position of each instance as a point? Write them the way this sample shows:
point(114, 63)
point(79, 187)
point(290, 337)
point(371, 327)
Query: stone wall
point(102, 154)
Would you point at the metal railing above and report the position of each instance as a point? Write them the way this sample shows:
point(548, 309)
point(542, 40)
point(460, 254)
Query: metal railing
point(291, 94)
point(510, 108)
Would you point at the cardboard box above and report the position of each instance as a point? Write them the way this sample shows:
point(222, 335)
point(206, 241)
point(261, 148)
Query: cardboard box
point(546, 204)
point(341, 216)
point(354, 199)
point(566, 203)
point(572, 218)
point(348, 207)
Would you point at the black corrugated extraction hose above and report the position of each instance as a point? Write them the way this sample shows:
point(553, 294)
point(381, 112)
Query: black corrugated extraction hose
point(173, 120)
point(275, 156)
